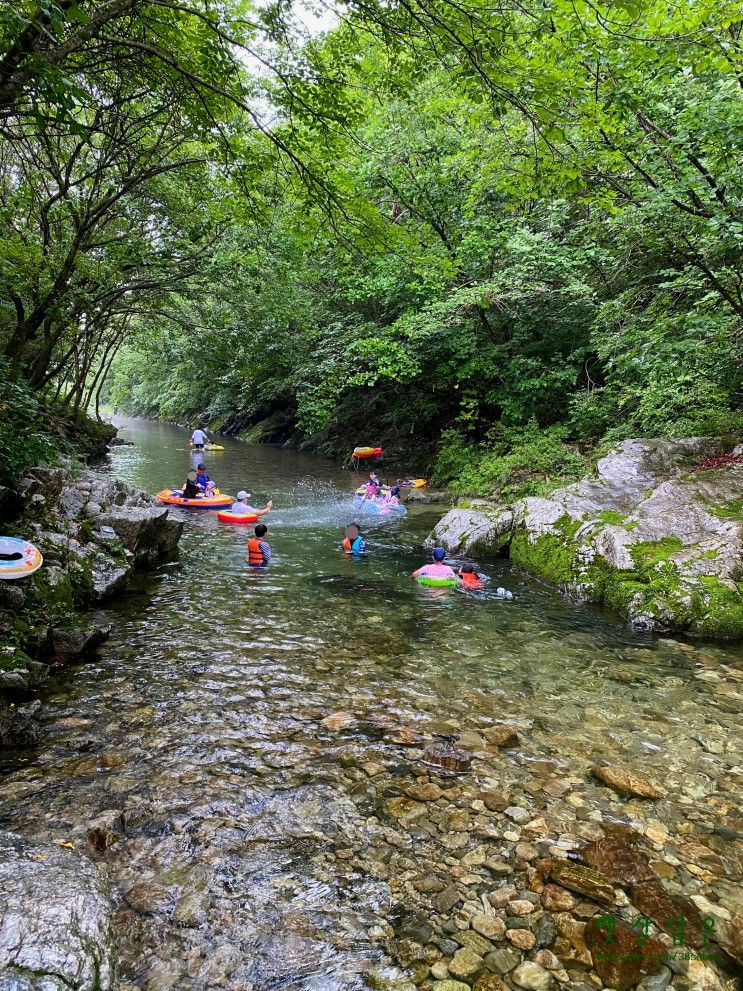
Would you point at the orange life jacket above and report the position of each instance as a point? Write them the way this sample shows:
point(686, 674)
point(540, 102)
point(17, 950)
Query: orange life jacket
point(255, 554)
point(347, 544)
point(470, 579)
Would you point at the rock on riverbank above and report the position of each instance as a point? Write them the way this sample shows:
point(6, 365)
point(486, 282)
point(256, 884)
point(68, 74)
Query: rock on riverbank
point(55, 920)
point(649, 536)
point(93, 531)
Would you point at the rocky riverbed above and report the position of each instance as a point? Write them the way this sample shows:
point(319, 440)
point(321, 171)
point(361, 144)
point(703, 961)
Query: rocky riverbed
point(656, 535)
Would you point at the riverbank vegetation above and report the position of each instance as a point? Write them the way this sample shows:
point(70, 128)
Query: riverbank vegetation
point(492, 239)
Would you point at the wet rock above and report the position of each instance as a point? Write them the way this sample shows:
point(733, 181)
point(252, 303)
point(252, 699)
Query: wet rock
point(622, 863)
point(465, 964)
point(221, 965)
point(466, 529)
point(453, 760)
point(656, 982)
point(626, 781)
point(494, 800)
point(427, 792)
point(450, 985)
point(489, 982)
point(523, 938)
point(547, 959)
point(405, 808)
point(447, 899)
point(517, 814)
point(68, 643)
point(652, 899)
point(19, 723)
point(617, 958)
point(520, 907)
point(489, 926)
point(55, 919)
point(475, 942)
point(530, 975)
point(149, 897)
point(584, 880)
point(148, 532)
point(191, 909)
point(339, 720)
point(557, 899)
point(545, 932)
point(501, 736)
point(502, 960)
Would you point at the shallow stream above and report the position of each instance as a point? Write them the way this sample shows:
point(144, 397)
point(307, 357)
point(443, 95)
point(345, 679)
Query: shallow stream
point(261, 847)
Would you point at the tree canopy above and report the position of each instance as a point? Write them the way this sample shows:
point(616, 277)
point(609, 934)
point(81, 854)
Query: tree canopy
point(491, 235)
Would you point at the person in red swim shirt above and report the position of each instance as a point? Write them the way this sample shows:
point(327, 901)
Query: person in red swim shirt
point(470, 578)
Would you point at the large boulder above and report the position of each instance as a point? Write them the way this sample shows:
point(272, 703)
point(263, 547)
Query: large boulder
point(147, 532)
point(468, 529)
point(649, 536)
point(55, 920)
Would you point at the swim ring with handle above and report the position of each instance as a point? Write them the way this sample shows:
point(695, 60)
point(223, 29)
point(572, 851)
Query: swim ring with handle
point(425, 580)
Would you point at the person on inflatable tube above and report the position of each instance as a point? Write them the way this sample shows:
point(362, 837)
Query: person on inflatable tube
point(259, 550)
point(242, 507)
point(437, 569)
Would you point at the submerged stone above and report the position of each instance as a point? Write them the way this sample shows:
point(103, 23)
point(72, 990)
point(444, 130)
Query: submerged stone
point(626, 781)
point(622, 863)
point(619, 957)
point(584, 880)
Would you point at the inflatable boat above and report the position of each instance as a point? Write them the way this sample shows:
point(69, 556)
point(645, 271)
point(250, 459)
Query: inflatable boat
point(174, 497)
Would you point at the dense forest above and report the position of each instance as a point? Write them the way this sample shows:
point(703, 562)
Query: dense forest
point(490, 237)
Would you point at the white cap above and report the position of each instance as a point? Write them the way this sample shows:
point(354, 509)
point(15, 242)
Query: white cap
point(242, 494)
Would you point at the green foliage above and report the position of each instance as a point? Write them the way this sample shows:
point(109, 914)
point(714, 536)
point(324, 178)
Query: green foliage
point(509, 464)
point(24, 437)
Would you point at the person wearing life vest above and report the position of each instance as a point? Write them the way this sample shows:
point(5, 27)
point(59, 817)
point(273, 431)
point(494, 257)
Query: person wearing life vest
point(259, 551)
point(353, 542)
point(470, 578)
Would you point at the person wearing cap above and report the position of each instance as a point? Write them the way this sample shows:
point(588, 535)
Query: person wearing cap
point(201, 476)
point(393, 496)
point(437, 569)
point(242, 506)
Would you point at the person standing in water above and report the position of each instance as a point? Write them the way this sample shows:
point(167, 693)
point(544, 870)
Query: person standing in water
point(353, 542)
point(259, 550)
point(198, 439)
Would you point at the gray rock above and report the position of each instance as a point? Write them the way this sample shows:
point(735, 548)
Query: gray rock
point(147, 532)
point(517, 814)
point(645, 513)
point(466, 530)
point(68, 643)
point(55, 919)
point(531, 976)
point(656, 982)
point(18, 724)
point(503, 960)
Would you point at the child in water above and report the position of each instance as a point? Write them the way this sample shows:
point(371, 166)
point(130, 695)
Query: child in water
point(393, 496)
point(259, 551)
point(353, 542)
point(469, 577)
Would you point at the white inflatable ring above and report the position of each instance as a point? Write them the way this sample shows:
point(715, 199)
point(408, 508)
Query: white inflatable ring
point(18, 558)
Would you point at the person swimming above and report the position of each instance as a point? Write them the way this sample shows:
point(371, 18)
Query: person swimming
point(437, 569)
point(469, 577)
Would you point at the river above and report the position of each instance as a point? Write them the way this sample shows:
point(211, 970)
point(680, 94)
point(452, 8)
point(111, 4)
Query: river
point(267, 846)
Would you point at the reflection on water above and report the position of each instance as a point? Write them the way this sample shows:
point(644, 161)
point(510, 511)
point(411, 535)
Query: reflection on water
point(255, 849)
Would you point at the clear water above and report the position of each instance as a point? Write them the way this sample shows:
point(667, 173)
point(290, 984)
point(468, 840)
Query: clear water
point(201, 720)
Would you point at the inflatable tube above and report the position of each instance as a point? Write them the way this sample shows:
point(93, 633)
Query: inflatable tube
point(369, 506)
point(175, 498)
point(435, 582)
point(213, 447)
point(412, 483)
point(227, 517)
point(18, 558)
point(366, 452)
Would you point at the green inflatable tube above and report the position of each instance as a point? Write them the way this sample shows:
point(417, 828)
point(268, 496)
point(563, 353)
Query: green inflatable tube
point(423, 580)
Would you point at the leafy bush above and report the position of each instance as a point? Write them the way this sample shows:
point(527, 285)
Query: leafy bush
point(512, 463)
point(24, 439)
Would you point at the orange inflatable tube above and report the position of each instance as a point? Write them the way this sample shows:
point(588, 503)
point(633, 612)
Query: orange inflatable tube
point(175, 498)
point(237, 517)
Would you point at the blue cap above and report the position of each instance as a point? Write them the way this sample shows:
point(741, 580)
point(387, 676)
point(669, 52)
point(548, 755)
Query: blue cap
point(439, 553)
